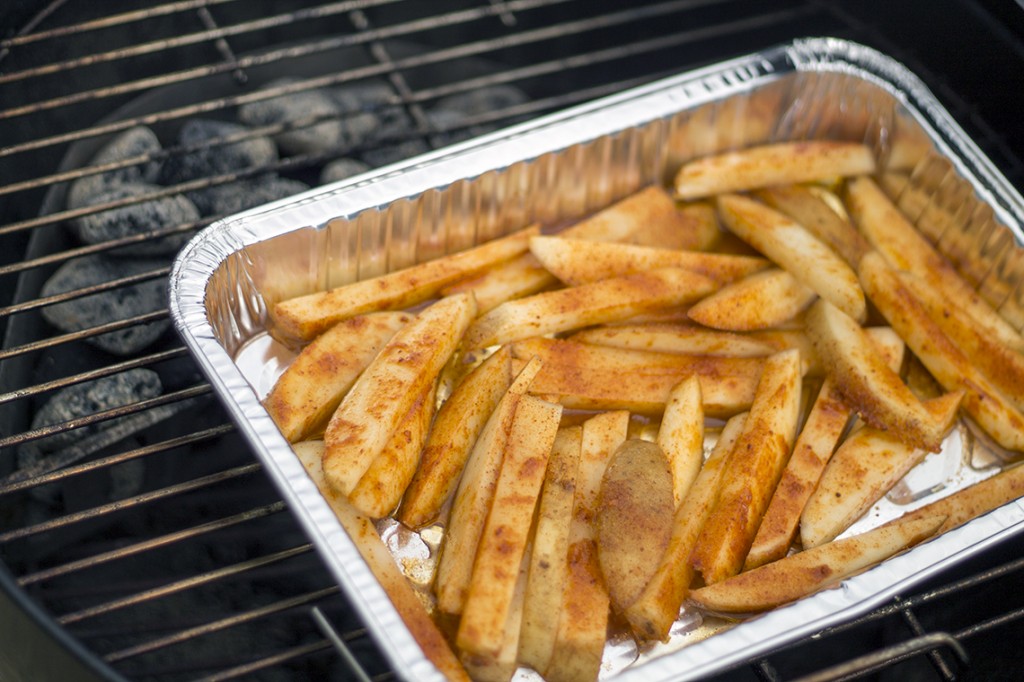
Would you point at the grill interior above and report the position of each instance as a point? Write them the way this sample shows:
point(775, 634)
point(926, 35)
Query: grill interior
point(143, 541)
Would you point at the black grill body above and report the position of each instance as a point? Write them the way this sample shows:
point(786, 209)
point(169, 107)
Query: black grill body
point(166, 553)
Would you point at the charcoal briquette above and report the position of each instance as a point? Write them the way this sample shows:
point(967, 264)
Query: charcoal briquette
point(232, 197)
point(342, 169)
point(211, 157)
point(133, 142)
point(136, 218)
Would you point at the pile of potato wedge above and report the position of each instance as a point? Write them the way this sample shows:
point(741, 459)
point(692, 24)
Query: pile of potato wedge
point(681, 401)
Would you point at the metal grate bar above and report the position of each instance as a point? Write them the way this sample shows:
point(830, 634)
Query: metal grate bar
point(129, 503)
point(399, 30)
point(152, 544)
point(212, 33)
point(109, 21)
point(222, 624)
point(887, 657)
point(60, 339)
point(181, 585)
point(934, 655)
point(106, 415)
point(140, 361)
point(21, 479)
point(249, 669)
point(84, 291)
point(470, 49)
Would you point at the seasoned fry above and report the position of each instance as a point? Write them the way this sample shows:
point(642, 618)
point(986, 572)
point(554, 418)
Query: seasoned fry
point(592, 377)
point(583, 618)
point(383, 394)
point(306, 316)
point(457, 427)
point(502, 667)
point(801, 574)
point(861, 471)
point(684, 339)
point(575, 262)
point(657, 607)
point(784, 163)
point(872, 388)
point(605, 301)
point(635, 501)
point(702, 231)
point(906, 249)
point(473, 498)
point(951, 368)
point(753, 470)
point(814, 447)
point(505, 535)
point(549, 568)
point(808, 208)
point(796, 250)
point(681, 436)
point(648, 217)
point(974, 500)
point(760, 301)
point(376, 554)
point(307, 393)
point(380, 489)
point(521, 276)
point(1003, 366)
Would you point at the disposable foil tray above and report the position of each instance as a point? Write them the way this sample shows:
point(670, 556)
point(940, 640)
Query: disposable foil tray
point(566, 166)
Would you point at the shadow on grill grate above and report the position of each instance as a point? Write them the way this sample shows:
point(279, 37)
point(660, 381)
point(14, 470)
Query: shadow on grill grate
point(129, 510)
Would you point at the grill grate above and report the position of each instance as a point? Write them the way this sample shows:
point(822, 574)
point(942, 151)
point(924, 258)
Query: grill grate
point(154, 540)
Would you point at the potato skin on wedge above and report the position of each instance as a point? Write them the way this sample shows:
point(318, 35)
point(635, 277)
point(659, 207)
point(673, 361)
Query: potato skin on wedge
point(799, 575)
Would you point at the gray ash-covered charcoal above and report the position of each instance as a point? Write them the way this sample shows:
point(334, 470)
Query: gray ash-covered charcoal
point(450, 126)
point(238, 196)
point(380, 99)
point(212, 158)
point(134, 142)
point(136, 218)
point(110, 305)
point(339, 130)
point(494, 98)
point(82, 400)
point(381, 156)
point(342, 169)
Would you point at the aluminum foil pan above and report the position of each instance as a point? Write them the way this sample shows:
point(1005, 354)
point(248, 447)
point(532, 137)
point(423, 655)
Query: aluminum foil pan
point(565, 166)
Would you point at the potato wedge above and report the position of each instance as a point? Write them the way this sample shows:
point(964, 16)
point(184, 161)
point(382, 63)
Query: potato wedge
point(702, 231)
point(1003, 366)
point(549, 567)
point(814, 448)
point(380, 489)
point(592, 377)
point(653, 612)
point(457, 427)
point(634, 503)
point(507, 281)
point(806, 207)
point(507, 530)
point(971, 502)
point(804, 573)
point(474, 496)
point(906, 249)
point(783, 163)
point(870, 386)
point(685, 339)
point(753, 470)
point(760, 301)
point(951, 368)
point(576, 262)
point(648, 217)
point(681, 436)
point(383, 394)
point(307, 316)
point(376, 554)
point(309, 391)
point(796, 250)
point(861, 471)
point(502, 667)
point(583, 618)
point(605, 301)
